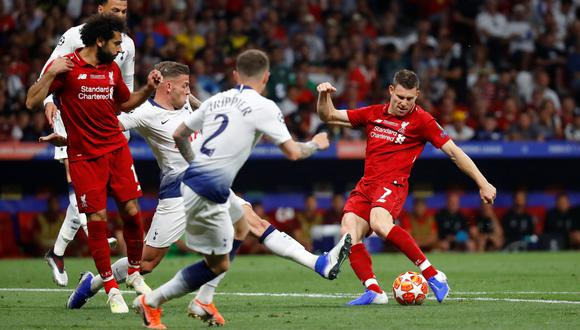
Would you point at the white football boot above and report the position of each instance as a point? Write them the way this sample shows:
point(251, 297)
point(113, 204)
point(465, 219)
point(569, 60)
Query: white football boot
point(116, 302)
point(136, 282)
point(328, 265)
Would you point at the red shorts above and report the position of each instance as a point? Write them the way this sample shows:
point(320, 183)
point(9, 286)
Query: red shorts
point(389, 194)
point(112, 173)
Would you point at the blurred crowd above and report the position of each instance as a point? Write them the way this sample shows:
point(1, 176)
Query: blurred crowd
point(490, 70)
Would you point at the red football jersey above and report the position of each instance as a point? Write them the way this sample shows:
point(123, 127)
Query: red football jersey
point(88, 97)
point(394, 143)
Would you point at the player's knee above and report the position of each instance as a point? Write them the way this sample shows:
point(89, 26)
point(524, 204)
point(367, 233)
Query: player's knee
point(129, 208)
point(381, 222)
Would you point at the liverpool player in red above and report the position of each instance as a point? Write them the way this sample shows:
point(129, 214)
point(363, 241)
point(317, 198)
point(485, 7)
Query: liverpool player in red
point(89, 89)
point(396, 135)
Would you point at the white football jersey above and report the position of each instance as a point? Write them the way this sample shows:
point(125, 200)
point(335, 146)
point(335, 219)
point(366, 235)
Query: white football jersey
point(231, 123)
point(156, 125)
point(71, 40)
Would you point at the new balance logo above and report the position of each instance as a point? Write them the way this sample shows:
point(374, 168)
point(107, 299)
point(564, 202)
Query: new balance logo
point(82, 76)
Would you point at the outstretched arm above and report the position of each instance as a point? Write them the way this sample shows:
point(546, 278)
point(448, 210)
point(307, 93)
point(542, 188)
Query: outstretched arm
point(487, 191)
point(299, 150)
point(137, 98)
point(325, 108)
point(181, 138)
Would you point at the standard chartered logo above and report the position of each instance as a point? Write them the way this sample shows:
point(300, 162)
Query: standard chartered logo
point(96, 93)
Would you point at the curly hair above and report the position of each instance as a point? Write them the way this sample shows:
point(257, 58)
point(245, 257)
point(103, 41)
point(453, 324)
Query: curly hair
point(101, 26)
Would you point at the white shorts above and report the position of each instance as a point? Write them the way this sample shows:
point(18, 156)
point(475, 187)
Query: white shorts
point(209, 226)
point(168, 223)
point(59, 152)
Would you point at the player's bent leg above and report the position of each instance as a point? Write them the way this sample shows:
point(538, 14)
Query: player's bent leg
point(186, 280)
point(382, 223)
point(132, 233)
point(360, 261)
point(202, 307)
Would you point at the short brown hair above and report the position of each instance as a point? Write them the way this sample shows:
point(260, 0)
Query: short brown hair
point(170, 69)
point(406, 78)
point(252, 63)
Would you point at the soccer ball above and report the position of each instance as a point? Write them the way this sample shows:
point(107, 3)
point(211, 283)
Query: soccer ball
point(410, 288)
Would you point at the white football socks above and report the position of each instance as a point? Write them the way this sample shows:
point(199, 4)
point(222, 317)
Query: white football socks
point(72, 222)
point(119, 268)
point(176, 287)
point(207, 291)
point(287, 247)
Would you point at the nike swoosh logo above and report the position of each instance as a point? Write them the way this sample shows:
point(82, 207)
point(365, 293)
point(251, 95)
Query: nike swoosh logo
point(164, 121)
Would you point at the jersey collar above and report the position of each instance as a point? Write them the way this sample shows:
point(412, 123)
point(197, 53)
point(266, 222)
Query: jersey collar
point(81, 62)
point(242, 87)
point(155, 104)
point(387, 113)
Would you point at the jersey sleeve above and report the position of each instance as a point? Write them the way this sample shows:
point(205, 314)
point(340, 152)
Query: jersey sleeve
point(195, 120)
point(128, 68)
point(133, 119)
point(271, 123)
point(66, 44)
point(434, 133)
point(122, 92)
point(359, 117)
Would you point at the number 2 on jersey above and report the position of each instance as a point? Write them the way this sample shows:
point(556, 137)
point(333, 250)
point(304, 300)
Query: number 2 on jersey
point(223, 125)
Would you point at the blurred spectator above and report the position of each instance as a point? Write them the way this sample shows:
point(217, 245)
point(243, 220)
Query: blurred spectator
point(453, 227)
point(489, 131)
point(489, 233)
point(521, 36)
point(334, 214)
point(524, 129)
point(423, 226)
point(549, 123)
point(47, 225)
point(572, 130)
point(308, 218)
point(458, 129)
point(561, 228)
point(492, 26)
point(38, 128)
point(518, 223)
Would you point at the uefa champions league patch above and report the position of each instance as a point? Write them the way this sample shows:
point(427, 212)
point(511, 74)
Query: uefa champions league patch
point(61, 41)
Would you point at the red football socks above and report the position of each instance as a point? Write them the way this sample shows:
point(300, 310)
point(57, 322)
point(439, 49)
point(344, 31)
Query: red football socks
point(133, 235)
point(100, 251)
point(361, 263)
point(401, 239)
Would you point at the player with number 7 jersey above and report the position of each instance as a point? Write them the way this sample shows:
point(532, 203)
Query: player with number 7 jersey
point(396, 135)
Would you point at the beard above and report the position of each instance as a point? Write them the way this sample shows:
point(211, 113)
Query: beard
point(104, 57)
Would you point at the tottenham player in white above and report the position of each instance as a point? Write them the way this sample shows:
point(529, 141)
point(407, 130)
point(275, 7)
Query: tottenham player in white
point(232, 123)
point(74, 220)
point(156, 120)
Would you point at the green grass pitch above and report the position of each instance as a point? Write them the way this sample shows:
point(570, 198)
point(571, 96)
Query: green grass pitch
point(500, 291)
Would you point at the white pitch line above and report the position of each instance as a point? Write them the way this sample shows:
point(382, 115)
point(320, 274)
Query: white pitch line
point(352, 295)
